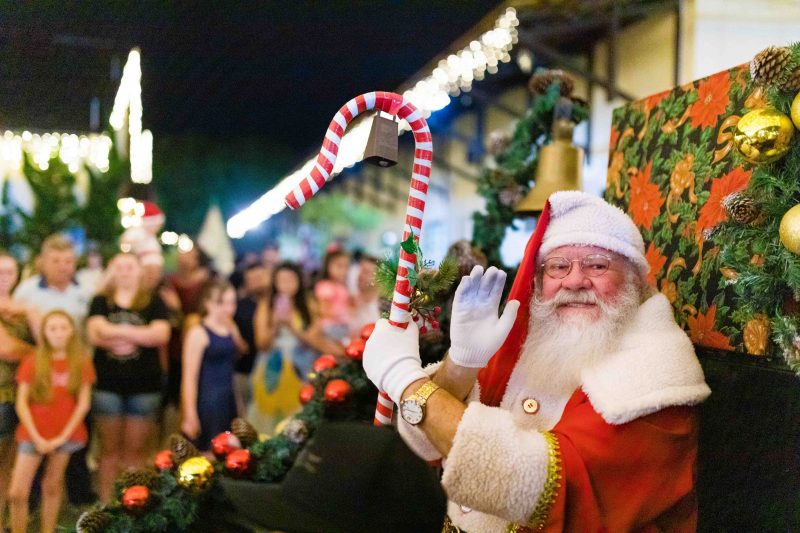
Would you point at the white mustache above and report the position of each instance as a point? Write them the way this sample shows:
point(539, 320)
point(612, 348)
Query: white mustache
point(566, 297)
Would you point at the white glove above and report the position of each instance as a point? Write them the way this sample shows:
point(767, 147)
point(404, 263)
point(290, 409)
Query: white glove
point(391, 358)
point(476, 332)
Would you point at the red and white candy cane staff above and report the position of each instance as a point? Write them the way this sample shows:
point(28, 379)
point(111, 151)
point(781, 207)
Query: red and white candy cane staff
point(393, 104)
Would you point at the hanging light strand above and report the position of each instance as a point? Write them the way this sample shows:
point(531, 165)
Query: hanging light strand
point(73, 150)
point(129, 100)
point(452, 75)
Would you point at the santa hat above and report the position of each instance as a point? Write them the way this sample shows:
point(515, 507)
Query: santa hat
point(580, 219)
point(153, 217)
point(570, 218)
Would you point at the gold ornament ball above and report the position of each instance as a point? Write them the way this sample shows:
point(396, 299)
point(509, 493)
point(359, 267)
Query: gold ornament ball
point(790, 230)
point(796, 111)
point(763, 135)
point(195, 473)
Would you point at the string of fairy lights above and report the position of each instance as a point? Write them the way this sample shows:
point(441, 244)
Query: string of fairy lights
point(128, 103)
point(72, 149)
point(452, 75)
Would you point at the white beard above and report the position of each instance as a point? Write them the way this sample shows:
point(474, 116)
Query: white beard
point(557, 348)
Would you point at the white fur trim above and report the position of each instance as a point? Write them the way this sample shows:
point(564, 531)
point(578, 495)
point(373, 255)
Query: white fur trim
point(494, 467)
point(581, 219)
point(653, 367)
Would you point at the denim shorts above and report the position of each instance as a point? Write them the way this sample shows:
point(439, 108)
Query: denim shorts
point(27, 447)
point(8, 420)
point(144, 405)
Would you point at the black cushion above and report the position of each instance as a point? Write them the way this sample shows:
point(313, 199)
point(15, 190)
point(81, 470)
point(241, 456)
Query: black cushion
point(350, 477)
point(749, 453)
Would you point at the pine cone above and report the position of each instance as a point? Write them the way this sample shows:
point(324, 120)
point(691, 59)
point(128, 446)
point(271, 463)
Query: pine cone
point(498, 142)
point(510, 195)
point(740, 207)
point(296, 431)
point(129, 478)
point(772, 66)
point(93, 522)
point(246, 433)
point(181, 448)
point(540, 81)
point(792, 83)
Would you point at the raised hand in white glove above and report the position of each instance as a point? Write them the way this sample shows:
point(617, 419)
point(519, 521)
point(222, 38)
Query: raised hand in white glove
point(476, 332)
point(391, 358)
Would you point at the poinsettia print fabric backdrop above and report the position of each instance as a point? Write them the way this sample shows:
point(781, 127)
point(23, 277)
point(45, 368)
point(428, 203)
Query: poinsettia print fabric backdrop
point(671, 163)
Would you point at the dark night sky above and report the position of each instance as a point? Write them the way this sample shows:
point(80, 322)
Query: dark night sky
point(276, 70)
point(236, 93)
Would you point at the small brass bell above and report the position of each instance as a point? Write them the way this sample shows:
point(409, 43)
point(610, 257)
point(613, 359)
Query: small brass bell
point(560, 168)
point(381, 147)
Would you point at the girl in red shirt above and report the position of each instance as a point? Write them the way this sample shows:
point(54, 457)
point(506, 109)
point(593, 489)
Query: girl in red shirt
point(53, 397)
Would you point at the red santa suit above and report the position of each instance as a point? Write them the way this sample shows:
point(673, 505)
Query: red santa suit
point(616, 454)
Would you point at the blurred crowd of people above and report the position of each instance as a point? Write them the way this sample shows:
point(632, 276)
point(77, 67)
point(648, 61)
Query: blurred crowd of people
point(99, 366)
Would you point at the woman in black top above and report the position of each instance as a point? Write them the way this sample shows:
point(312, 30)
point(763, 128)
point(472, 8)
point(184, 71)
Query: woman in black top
point(127, 324)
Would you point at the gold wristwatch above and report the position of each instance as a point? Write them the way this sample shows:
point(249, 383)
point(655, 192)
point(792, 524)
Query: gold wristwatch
point(412, 409)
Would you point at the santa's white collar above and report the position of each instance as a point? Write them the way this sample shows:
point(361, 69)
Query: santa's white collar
point(654, 366)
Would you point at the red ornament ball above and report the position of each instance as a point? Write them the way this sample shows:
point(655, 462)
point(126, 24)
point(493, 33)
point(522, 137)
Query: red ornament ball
point(164, 460)
point(225, 443)
point(135, 499)
point(337, 391)
point(437, 310)
point(324, 362)
point(355, 350)
point(367, 330)
point(306, 393)
point(239, 463)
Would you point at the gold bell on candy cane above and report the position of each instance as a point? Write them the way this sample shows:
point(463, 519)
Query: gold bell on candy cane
point(381, 147)
point(559, 168)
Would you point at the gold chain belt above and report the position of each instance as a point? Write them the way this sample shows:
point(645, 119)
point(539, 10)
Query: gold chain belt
point(450, 527)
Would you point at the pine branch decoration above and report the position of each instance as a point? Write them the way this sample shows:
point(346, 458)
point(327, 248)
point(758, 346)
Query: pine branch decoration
point(767, 280)
point(516, 165)
point(430, 285)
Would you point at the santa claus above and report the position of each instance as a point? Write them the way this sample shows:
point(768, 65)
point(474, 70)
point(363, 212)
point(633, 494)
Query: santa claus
point(571, 411)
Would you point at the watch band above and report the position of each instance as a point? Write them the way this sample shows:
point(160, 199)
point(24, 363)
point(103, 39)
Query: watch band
point(425, 391)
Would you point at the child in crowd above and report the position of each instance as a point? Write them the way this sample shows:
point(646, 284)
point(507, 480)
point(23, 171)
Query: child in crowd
point(53, 397)
point(210, 350)
point(289, 337)
point(333, 297)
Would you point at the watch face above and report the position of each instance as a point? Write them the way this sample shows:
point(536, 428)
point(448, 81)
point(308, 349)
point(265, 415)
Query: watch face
point(411, 412)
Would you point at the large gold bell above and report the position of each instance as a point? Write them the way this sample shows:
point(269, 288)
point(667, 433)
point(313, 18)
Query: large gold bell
point(381, 147)
point(559, 168)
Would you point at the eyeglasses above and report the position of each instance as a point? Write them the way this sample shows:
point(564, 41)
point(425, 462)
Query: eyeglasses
point(593, 265)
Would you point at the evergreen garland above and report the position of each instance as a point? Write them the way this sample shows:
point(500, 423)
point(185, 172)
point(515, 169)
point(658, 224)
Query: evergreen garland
point(174, 509)
point(767, 275)
point(515, 167)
